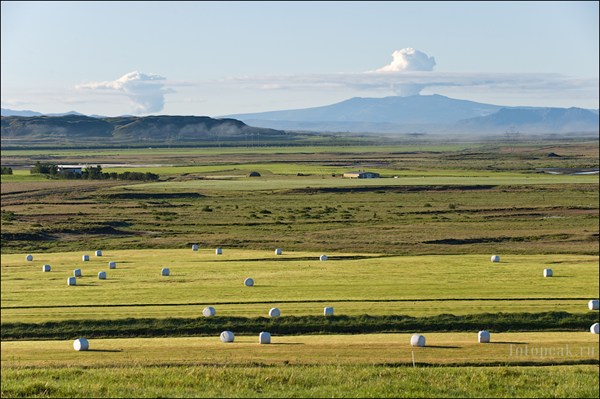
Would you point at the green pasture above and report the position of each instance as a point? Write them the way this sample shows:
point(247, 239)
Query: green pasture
point(21, 175)
point(297, 282)
point(324, 381)
point(236, 182)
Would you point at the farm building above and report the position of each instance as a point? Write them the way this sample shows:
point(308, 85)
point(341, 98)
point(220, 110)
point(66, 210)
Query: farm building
point(361, 175)
point(74, 169)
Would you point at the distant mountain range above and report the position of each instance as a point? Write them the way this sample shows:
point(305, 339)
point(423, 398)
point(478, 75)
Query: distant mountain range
point(432, 114)
point(420, 114)
point(159, 130)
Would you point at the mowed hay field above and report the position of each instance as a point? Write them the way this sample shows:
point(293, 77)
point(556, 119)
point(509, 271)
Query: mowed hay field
point(374, 365)
point(296, 282)
point(406, 255)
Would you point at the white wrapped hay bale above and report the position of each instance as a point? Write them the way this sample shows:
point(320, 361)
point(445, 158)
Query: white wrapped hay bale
point(77, 272)
point(278, 251)
point(85, 258)
point(29, 258)
point(594, 304)
point(227, 336)
point(417, 340)
point(274, 312)
point(98, 253)
point(323, 257)
point(112, 265)
point(495, 258)
point(249, 282)
point(165, 271)
point(547, 272)
point(595, 328)
point(483, 337)
point(218, 251)
point(194, 247)
point(102, 275)
point(71, 281)
point(264, 338)
point(209, 311)
point(81, 344)
point(46, 268)
point(328, 311)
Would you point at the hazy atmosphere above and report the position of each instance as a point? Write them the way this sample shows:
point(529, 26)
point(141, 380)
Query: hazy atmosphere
point(219, 58)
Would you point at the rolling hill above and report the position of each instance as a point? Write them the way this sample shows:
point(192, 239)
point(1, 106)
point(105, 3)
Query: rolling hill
point(80, 129)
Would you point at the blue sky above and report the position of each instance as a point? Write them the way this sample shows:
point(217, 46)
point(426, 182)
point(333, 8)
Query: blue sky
point(218, 58)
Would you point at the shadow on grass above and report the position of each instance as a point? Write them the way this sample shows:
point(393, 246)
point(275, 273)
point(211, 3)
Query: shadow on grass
point(286, 343)
point(508, 342)
point(105, 350)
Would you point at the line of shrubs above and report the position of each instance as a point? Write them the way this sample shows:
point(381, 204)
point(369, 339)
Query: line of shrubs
point(294, 325)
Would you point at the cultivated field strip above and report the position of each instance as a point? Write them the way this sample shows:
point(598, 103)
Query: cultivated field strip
point(302, 285)
point(389, 349)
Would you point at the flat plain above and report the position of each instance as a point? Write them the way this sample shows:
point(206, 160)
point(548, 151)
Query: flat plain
point(415, 243)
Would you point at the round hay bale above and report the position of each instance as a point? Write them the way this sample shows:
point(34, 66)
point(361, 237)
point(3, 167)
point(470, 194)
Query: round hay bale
point(274, 312)
point(417, 340)
point(29, 258)
point(328, 311)
point(594, 304)
point(227, 336)
point(323, 257)
point(81, 344)
point(278, 251)
point(254, 174)
point(112, 265)
point(102, 275)
point(77, 272)
point(165, 271)
point(98, 253)
point(547, 272)
point(71, 281)
point(194, 247)
point(264, 338)
point(85, 258)
point(208, 311)
point(218, 251)
point(595, 328)
point(46, 268)
point(249, 282)
point(483, 337)
point(495, 258)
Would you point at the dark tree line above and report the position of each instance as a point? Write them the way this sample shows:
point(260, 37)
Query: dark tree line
point(90, 173)
point(6, 170)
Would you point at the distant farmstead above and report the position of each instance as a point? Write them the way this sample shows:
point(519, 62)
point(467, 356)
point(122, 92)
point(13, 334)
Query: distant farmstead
point(75, 169)
point(361, 175)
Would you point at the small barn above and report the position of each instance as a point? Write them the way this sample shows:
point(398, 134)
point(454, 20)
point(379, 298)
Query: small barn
point(361, 175)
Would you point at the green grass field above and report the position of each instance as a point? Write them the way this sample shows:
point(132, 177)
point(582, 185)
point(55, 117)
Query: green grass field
point(373, 365)
point(375, 349)
point(298, 281)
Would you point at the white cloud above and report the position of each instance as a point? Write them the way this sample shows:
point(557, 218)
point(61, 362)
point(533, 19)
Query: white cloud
point(145, 91)
point(409, 59)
